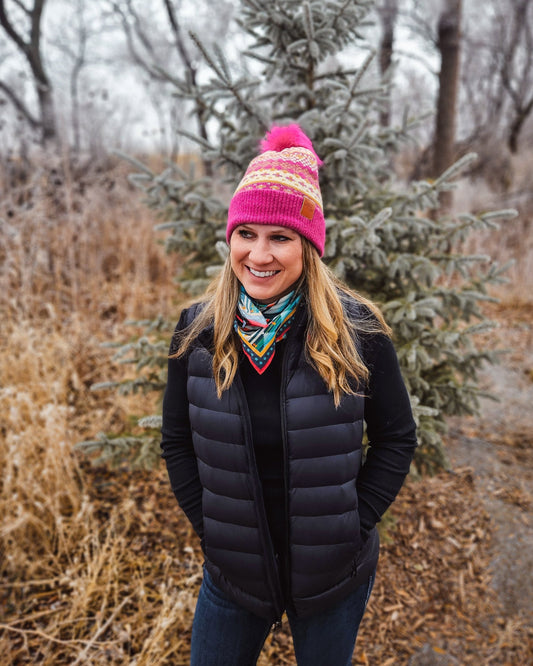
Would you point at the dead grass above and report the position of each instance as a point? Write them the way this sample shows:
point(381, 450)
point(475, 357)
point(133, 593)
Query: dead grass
point(87, 570)
point(80, 243)
point(77, 258)
point(99, 566)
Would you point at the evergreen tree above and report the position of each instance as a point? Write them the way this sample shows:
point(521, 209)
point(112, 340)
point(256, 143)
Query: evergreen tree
point(382, 239)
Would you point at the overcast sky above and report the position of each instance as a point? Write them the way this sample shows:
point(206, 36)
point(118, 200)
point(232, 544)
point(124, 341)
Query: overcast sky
point(117, 97)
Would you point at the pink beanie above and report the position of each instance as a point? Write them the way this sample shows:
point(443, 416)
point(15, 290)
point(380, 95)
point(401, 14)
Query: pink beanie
point(281, 187)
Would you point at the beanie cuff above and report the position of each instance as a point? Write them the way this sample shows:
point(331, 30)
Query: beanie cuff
point(264, 206)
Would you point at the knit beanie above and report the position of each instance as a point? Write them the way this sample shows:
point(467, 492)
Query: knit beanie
point(281, 187)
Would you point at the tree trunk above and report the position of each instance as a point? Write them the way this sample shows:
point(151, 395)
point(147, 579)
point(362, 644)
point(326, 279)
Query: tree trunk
point(516, 126)
point(387, 12)
point(449, 29)
point(75, 101)
point(191, 68)
point(47, 113)
point(42, 83)
point(516, 66)
point(31, 50)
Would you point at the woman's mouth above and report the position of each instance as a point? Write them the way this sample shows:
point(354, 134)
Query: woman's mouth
point(261, 274)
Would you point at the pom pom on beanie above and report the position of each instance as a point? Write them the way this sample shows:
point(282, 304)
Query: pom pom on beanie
point(281, 187)
point(289, 136)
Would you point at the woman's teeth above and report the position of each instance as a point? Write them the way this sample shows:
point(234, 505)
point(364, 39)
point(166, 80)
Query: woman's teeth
point(262, 274)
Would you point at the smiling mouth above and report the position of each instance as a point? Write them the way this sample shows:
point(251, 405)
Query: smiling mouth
point(261, 274)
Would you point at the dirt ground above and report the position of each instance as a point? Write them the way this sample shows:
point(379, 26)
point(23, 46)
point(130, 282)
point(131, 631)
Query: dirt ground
point(499, 449)
point(496, 450)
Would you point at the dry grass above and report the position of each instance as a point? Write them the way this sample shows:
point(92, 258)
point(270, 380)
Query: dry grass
point(77, 258)
point(80, 243)
point(98, 566)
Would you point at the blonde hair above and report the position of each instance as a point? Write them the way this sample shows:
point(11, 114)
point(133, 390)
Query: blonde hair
point(331, 337)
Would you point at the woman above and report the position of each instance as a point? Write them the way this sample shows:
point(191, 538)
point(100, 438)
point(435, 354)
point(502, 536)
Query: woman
point(270, 378)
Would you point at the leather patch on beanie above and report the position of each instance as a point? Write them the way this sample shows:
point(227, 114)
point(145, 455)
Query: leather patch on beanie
point(308, 208)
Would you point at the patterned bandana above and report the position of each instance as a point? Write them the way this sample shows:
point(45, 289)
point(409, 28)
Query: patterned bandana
point(260, 326)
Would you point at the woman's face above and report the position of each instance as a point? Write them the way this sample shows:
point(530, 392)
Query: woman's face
point(266, 258)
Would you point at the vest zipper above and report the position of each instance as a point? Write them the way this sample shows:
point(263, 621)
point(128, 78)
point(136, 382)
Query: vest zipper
point(270, 557)
point(275, 626)
point(283, 394)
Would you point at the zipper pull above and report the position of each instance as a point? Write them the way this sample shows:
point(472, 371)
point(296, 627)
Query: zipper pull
point(276, 625)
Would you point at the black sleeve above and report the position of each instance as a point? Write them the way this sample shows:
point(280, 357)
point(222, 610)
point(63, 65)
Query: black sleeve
point(391, 432)
point(176, 441)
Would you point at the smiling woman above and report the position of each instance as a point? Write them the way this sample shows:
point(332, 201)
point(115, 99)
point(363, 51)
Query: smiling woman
point(266, 259)
point(270, 378)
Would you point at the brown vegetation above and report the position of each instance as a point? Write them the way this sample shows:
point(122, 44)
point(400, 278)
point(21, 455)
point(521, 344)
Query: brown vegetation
point(99, 566)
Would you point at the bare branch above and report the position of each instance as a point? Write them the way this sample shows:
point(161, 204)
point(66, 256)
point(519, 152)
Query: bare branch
point(31, 49)
point(143, 37)
point(420, 26)
point(36, 14)
point(510, 52)
point(178, 36)
point(153, 70)
point(10, 30)
point(22, 6)
point(20, 106)
point(187, 61)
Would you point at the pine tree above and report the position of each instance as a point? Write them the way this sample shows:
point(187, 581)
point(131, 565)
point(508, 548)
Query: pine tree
point(382, 235)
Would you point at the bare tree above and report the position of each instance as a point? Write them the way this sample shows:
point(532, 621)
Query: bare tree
point(77, 36)
point(516, 66)
point(387, 12)
point(449, 36)
point(79, 58)
point(160, 64)
point(29, 45)
point(497, 75)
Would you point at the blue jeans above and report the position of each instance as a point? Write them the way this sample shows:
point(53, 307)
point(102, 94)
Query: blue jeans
point(225, 634)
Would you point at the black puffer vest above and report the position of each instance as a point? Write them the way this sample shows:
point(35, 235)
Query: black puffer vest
point(322, 450)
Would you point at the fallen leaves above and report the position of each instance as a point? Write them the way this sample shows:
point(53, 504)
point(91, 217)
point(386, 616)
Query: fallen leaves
point(433, 585)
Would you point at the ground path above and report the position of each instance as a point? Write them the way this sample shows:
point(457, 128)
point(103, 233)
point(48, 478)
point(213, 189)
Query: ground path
point(496, 450)
point(498, 446)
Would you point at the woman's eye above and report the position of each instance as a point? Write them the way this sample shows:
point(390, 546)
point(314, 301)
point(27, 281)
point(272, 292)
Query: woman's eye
point(243, 233)
point(280, 238)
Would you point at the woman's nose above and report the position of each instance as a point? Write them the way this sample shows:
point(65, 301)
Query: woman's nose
point(260, 252)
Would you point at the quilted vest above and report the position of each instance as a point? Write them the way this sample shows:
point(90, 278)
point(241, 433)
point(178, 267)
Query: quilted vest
point(322, 450)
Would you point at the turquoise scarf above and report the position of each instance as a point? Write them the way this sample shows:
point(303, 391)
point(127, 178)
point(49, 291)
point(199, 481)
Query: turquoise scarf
point(260, 326)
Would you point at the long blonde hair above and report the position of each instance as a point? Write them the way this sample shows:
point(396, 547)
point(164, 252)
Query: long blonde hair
point(331, 337)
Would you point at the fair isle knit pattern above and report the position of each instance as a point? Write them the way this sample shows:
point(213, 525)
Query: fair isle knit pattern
point(280, 187)
point(292, 171)
point(260, 326)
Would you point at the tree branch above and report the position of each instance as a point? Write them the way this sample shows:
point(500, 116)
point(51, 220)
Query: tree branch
point(420, 26)
point(180, 44)
point(35, 15)
point(187, 61)
point(34, 47)
point(22, 6)
point(509, 54)
point(153, 70)
point(20, 106)
point(10, 30)
point(143, 38)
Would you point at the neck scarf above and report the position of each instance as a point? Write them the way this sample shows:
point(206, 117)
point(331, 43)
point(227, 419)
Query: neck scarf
point(260, 326)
